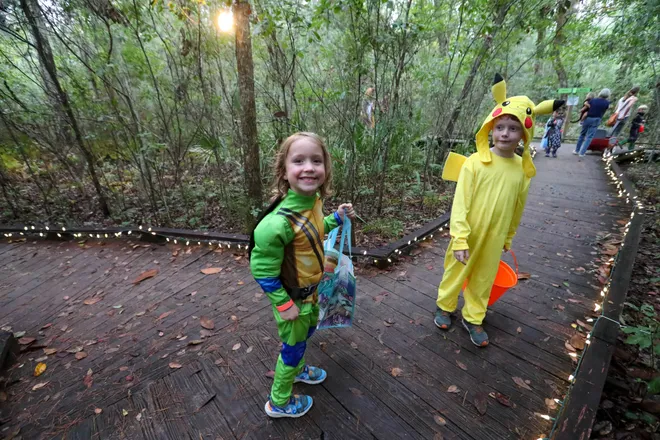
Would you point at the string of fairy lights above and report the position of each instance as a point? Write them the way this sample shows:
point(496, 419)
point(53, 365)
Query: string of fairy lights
point(63, 232)
point(638, 208)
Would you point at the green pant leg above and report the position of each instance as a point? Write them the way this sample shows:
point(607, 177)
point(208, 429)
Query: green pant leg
point(290, 362)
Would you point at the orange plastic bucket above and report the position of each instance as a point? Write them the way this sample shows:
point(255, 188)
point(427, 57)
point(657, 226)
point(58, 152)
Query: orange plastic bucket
point(505, 279)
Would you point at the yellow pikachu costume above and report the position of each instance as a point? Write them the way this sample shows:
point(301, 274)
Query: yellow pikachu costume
point(488, 204)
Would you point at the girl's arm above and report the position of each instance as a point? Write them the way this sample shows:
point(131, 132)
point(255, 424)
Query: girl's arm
point(331, 221)
point(517, 214)
point(459, 226)
point(270, 238)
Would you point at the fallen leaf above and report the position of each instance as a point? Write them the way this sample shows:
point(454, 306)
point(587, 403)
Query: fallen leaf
point(583, 325)
point(211, 270)
point(66, 298)
point(174, 365)
point(439, 420)
point(354, 345)
point(555, 285)
point(559, 307)
point(356, 392)
point(569, 347)
point(566, 284)
point(41, 359)
point(396, 372)
point(242, 309)
point(519, 329)
point(550, 403)
point(44, 327)
point(98, 411)
point(453, 389)
point(207, 323)
point(240, 283)
point(26, 341)
point(129, 378)
point(195, 342)
point(87, 380)
point(39, 369)
point(501, 398)
point(387, 324)
point(123, 368)
point(236, 346)
point(461, 365)
point(524, 275)
point(50, 351)
point(124, 412)
point(577, 341)
point(19, 334)
point(481, 403)
point(323, 346)
point(146, 275)
point(521, 383)
point(138, 417)
point(165, 315)
point(249, 349)
point(92, 300)
point(574, 301)
point(39, 386)
point(75, 349)
point(81, 355)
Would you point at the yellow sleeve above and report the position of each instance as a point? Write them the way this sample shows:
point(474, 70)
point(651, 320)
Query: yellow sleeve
point(517, 214)
point(459, 227)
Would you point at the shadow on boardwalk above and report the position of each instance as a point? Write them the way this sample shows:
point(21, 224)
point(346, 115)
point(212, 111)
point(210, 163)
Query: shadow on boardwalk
point(75, 299)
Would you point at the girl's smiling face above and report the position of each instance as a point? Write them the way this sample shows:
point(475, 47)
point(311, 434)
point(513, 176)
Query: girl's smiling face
point(305, 166)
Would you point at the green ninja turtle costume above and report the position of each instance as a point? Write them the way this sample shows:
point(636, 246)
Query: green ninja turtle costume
point(287, 262)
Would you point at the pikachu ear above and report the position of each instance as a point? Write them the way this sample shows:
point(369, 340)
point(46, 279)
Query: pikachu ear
point(499, 88)
point(548, 106)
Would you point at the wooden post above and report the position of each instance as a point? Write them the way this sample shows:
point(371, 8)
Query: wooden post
point(566, 122)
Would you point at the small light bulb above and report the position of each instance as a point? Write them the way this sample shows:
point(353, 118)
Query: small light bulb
point(570, 378)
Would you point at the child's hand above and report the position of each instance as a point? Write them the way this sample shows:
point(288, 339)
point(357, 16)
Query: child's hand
point(290, 314)
point(346, 209)
point(462, 256)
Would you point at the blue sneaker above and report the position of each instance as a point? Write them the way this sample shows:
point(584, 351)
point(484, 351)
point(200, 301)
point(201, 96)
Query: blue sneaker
point(311, 375)
point(477, 334)
point(298, 406)
point(442, 319)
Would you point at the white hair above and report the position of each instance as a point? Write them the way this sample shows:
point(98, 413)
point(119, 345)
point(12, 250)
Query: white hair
point(605, 93)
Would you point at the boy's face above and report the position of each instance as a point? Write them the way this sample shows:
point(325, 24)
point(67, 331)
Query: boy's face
point(507, 132)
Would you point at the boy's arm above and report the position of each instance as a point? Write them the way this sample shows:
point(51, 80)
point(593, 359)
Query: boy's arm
point(331, 221)
point(459, 227)
point(517, 214)
point(270, 238)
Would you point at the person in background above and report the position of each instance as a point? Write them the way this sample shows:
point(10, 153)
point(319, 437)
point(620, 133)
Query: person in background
point(597, 108)
point(636, 127)
point(585, 107)
point(623, 110)
point(554, 133)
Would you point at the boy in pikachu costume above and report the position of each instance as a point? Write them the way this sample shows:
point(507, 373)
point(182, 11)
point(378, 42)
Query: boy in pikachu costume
point(488, 205)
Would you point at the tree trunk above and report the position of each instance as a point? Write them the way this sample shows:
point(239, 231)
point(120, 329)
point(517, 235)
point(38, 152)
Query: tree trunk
point(502, 11)
point(31, 9)
point(249, 138)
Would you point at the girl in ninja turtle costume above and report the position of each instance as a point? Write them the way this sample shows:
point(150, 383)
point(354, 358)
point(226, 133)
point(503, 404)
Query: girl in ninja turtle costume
point(488, 204)
point(286, 259)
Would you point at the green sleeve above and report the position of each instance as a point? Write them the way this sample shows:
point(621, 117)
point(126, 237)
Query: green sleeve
point(330, 222)
point(271, 236)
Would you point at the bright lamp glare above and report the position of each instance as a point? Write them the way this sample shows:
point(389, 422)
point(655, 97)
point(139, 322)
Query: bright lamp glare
point(226, 21)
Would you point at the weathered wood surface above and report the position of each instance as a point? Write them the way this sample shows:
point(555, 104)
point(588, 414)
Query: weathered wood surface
point(135, 331)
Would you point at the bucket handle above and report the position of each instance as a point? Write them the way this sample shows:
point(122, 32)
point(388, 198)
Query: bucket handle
point(515, 261)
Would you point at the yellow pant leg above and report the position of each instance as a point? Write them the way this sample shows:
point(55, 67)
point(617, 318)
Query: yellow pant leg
point(481, 282)
point(452, 281)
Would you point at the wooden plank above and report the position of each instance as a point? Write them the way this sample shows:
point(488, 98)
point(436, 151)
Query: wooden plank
point(334, 420)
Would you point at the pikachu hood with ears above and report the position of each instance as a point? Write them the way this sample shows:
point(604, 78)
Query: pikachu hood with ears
point(520, 107)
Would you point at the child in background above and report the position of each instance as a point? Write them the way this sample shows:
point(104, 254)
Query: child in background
point(636, 127)
point(286, 259)
point(488, 204)
point(554, 133)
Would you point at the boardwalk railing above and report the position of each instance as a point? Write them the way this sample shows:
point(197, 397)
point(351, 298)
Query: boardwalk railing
point(583, 397)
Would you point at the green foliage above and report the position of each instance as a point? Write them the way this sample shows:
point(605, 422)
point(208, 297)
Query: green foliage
point(385, 227)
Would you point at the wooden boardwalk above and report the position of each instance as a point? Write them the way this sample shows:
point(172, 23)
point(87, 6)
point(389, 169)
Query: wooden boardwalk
point(152, 371)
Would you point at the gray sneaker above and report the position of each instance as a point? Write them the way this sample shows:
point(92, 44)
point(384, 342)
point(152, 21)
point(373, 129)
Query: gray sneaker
point(442, 319)
point(477, 334)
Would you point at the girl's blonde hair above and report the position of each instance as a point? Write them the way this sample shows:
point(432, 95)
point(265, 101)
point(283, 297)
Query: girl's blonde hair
point(280, 184)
